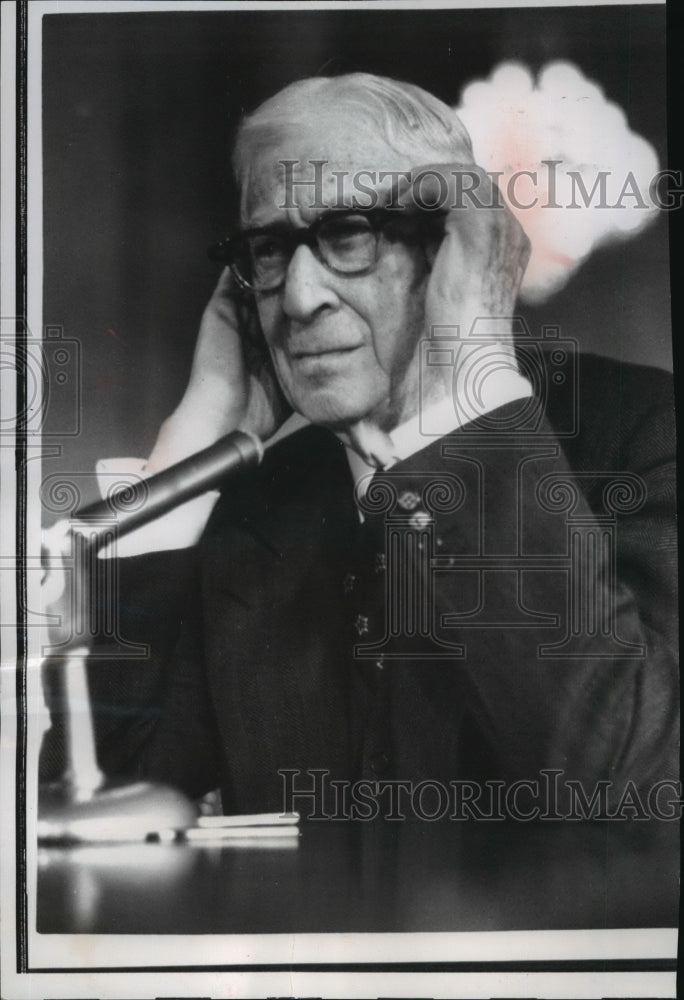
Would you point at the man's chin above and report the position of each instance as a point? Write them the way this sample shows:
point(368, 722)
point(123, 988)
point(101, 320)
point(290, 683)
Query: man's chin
point(331, 410)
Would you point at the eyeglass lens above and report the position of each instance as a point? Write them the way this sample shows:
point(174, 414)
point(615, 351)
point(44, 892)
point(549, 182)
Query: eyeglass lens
point(347, 244)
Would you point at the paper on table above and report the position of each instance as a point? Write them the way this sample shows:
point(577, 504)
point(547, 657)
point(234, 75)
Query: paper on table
point(198, 833)
point(253, 820)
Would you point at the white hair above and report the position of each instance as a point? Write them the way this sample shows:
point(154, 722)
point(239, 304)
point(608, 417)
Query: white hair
point(411, 121)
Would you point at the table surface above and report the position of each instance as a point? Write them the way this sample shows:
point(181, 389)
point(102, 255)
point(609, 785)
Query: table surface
point(372, 877)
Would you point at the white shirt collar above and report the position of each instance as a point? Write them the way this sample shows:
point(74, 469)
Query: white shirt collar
point(436, 421)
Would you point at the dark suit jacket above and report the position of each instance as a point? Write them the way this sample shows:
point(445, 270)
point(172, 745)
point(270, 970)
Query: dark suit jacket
point(508, 605)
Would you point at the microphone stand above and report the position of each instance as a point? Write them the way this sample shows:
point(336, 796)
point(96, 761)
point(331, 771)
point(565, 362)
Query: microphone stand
point(84, 805)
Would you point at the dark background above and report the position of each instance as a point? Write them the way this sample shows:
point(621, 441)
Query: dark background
point(138, 115)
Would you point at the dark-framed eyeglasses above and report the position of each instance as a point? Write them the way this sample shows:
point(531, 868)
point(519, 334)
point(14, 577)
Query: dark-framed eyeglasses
point(347, 241)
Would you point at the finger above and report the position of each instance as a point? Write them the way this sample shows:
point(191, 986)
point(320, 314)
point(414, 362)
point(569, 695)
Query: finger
point(509, 254)
point(226, 286)
point(454, 189)
point(481, 260)
point(224, 301)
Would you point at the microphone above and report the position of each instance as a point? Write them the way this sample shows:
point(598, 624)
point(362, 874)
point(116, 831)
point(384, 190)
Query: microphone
point(85, 805)
point(136, 504)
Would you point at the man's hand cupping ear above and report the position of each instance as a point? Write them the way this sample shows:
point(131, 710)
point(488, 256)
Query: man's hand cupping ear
point(232, 384)
point(476, 275)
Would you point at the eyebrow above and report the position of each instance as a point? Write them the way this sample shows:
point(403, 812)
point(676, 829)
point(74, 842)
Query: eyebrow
point(383, 197)
point(283, 226)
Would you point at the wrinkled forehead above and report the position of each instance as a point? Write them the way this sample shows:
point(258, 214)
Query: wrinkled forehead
point(302, 170)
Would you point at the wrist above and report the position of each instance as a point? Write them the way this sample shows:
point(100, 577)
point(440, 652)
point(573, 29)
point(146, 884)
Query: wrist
point(488, 377)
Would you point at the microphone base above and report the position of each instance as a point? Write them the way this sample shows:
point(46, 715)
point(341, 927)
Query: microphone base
point(117, 812)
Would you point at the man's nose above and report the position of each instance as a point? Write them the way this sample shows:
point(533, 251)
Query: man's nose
point(307, 288)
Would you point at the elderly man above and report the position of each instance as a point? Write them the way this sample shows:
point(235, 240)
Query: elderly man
point(425, 579)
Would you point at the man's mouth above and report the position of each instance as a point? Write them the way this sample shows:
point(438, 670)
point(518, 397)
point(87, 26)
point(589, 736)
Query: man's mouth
point(323, 352)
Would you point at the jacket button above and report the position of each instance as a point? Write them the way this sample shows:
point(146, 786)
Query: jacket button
point(361, 624)
point(420, 519)
point(348, 583)
point(408, 500)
